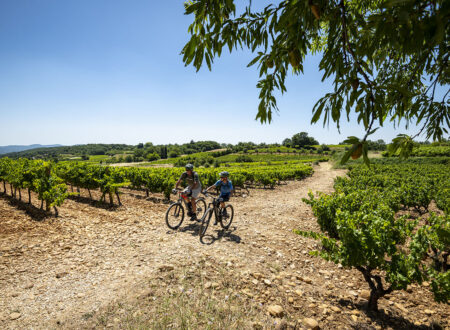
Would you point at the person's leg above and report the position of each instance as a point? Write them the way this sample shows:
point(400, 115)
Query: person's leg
point(225, 198)
point(194, 205)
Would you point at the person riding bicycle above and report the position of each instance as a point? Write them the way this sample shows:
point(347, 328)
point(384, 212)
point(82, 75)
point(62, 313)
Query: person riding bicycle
point(226, 188)
point(193, 189)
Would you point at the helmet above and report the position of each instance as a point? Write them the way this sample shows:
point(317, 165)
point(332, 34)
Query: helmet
point(189, 167)
point(224, 174)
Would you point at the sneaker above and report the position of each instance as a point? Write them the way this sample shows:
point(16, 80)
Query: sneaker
point(194, 217)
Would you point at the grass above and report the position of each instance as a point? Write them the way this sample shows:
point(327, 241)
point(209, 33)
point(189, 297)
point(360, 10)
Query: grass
point(194, 299)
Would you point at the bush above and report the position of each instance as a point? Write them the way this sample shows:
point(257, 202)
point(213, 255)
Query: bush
point(152, 156)
point(244, 159)
point(173, 154)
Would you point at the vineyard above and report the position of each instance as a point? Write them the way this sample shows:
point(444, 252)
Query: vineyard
point(368, 223)
point(385, 224)
point(425, 151)
point(50, 180)
point(38, 176)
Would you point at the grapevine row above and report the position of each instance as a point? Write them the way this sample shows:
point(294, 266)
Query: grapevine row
point(49, 180)
point(362, 228)
point(37, 176)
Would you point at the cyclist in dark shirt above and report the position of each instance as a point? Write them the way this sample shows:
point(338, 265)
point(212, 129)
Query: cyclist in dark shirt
point(193, 189)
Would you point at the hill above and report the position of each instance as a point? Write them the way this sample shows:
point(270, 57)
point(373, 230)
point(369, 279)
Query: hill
point(18, 148)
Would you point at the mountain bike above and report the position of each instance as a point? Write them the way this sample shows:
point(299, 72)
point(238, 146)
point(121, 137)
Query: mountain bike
point(224, 216)
point(175, 212)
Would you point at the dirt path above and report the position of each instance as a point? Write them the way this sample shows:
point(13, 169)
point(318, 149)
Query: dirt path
point(65, 270)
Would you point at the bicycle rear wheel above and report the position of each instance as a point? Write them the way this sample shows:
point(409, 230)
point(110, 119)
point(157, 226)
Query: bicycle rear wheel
point(227, 217)
point(175, 215)
point(205, 222)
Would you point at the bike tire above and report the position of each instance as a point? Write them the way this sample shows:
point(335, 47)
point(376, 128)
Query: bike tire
point(206, 219)
point(226, 221)
point(201, 208)
point(175, 215)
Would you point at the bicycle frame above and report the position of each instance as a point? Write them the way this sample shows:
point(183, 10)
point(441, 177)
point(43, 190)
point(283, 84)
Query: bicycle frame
point(183, 198)
point(216, 207)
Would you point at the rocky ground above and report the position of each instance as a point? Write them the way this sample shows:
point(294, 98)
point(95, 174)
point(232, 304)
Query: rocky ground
point(96, 266)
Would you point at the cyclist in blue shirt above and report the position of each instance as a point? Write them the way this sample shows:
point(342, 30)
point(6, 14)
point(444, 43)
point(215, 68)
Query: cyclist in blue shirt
point(226, 188)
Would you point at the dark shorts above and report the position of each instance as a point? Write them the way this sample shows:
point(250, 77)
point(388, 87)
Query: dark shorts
point(225, 197)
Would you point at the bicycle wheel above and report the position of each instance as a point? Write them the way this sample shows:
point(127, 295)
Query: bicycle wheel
point(201, 207)
point(205, 222)
point(227, 218)
point(175, 215)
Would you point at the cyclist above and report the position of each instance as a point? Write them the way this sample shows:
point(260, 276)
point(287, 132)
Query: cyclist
point(193, 189)
point(226, 188)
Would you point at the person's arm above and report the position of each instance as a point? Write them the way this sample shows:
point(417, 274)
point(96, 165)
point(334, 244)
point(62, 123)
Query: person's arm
point(214, 185)
point(209, 187)
point(179, 180)
point(196, 181)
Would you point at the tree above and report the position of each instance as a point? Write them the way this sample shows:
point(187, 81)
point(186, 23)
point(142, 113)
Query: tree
point(302, 139)
point(287, 142)
point(139, 153)
point(379, 72)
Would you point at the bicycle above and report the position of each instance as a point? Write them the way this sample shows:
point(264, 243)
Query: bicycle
point(175, 212)
point(224, 218)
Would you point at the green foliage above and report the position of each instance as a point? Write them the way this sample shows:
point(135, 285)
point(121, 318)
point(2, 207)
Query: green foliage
point(37, 176)
point(423, 151)
point(244, 159)
point(433, 241)
point(152, 156)
point(363, 232)
point(403, 143)
point(302, 139)
point(162, 180)
point(232, 158)
point(200, 159)
point(378, 72)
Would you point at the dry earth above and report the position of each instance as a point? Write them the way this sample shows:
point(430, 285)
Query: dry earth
point(72, 271)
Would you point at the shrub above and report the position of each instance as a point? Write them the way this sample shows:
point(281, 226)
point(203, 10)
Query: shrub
point(244, 159)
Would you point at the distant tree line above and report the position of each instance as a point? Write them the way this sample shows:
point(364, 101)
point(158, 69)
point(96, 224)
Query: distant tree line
point(379, 145)
point(302, 142)
point(76, 150)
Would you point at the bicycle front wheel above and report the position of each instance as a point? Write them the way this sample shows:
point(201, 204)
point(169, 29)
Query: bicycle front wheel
point(201, 208)
point(175, 215)
point(205, 222)
point(227, 216)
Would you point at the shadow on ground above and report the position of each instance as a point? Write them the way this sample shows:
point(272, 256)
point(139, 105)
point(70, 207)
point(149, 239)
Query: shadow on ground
point(386, 319)
point(34, 212)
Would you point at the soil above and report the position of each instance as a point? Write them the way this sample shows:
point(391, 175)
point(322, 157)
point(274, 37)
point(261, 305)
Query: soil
point(67, 271)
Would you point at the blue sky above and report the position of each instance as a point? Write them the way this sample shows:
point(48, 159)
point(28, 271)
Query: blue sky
point(75, 72)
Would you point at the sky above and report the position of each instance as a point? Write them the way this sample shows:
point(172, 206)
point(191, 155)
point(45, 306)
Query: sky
point(76, 72)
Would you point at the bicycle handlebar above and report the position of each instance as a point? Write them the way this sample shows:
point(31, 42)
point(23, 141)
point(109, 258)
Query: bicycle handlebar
point(204, 192)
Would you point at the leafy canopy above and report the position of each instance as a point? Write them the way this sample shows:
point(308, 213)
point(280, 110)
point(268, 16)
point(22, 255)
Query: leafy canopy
point(385, 57)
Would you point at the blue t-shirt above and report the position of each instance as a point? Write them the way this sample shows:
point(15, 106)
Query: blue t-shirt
point(225, 188)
